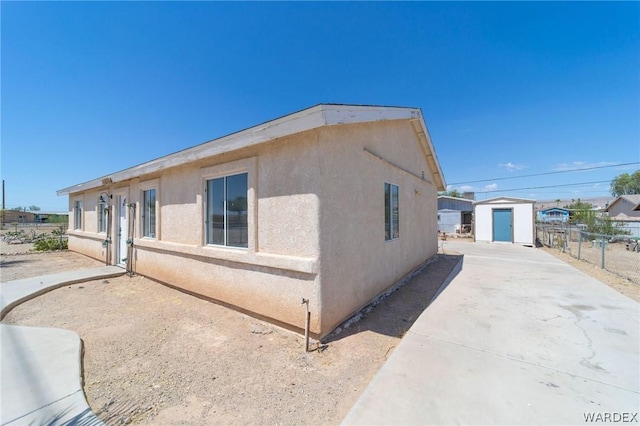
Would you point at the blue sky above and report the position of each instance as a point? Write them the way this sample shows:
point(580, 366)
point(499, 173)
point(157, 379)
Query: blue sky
point(507, 89)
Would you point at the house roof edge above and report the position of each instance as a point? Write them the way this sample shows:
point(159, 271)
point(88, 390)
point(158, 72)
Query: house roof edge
point(307, 119)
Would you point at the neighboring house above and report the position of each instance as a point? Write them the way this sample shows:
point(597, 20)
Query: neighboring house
point(16, 216)
point(553, 214)
point(333, 204)
point(624, 210)
point(504, 219)
point(454, 214)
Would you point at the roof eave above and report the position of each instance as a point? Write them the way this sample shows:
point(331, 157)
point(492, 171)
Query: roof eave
point(420, 127)
point(307, 119)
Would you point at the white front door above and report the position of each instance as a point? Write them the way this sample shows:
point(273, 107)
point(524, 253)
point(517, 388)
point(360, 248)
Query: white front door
point(121, 232)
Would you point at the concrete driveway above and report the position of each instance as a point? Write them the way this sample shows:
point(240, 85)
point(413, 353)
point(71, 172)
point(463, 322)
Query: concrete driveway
point(518, 337)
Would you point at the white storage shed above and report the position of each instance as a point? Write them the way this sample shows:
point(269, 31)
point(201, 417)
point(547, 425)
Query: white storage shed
point(505, 219)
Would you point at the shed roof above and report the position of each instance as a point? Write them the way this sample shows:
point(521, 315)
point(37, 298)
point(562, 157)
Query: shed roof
point(307, 119)
point(505, 200)
point(448, 197)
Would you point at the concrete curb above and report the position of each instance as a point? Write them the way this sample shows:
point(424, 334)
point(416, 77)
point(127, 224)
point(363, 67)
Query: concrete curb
point(19, 291)
point(42, 377)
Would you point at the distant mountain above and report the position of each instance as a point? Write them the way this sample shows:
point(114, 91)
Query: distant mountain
point(596, 202)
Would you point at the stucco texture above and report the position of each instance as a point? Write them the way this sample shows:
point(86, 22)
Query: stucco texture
point(357, 264)
point(315, 206)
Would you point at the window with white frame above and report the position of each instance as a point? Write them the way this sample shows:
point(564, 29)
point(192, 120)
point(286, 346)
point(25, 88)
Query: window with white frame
point(102, 215)
point(226, 211)
point(77, 215)
point(391, 212)
point(149, 213)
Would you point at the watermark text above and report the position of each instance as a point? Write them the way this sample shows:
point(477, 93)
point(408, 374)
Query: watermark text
point(610, 417)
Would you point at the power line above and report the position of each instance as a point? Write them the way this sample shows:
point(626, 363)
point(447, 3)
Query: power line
point(547, 173)
point(541, 187)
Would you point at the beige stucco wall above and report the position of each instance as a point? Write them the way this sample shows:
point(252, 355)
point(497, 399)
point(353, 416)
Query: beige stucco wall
point(357, 264)
point(86, 240)
point(316, 223)
point(273, 274)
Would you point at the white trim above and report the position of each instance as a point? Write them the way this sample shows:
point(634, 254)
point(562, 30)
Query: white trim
point(146, 186)
point(504, 200)
point(311, 118)
point(246, 165)
point(98, 216)
point(82, 209)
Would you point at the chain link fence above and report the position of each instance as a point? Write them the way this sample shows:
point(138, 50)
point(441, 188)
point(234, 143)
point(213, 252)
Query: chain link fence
point(33, 236)
point(619, 254)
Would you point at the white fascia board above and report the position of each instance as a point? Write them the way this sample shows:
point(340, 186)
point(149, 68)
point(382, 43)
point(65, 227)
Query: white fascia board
point(350, 114)
point(310, 118)
point(294, 123)
point(420, 127)
point(504, 200)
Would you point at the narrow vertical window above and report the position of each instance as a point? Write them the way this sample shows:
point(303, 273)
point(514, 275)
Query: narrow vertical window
point(226, 222)
point(77, 215)
point(395, 213)
point(391, 212)
point(215, 211)
point(102, 215)
point(149, 213)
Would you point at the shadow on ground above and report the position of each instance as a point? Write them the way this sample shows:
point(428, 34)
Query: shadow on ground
point(9, 263)
point(85, 418)
point(396, 313)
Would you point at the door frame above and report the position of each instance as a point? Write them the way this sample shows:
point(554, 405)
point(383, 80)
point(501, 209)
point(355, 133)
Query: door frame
point(493, 224)
point(120, 197)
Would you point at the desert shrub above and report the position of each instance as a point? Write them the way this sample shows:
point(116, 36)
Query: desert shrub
point(51, 243)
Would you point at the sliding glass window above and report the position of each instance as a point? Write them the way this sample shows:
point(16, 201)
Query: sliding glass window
point(226, 221)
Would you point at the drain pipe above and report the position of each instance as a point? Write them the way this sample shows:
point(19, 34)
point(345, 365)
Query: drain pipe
point(307, 320)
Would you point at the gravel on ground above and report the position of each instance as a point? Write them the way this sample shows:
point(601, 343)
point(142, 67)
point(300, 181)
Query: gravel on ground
point(155, 355)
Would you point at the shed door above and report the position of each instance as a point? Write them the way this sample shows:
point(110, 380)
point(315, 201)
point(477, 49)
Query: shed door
point(503, 225)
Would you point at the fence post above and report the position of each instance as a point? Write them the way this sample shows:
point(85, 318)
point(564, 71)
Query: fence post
point(579, 243)
point(602, 248)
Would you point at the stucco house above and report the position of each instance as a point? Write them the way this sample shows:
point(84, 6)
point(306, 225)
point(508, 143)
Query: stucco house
point(505, 219)
point(333, 204)
point(624, 210)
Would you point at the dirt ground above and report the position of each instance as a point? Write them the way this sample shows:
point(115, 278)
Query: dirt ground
point(616, 258)
point(154, 355)
point(622, 285)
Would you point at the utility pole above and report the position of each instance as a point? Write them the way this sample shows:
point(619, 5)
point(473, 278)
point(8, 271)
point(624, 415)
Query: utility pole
point(3, 202)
